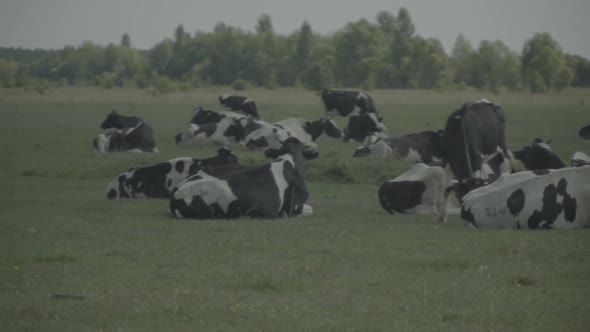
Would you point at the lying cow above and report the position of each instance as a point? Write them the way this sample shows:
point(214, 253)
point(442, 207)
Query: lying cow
point(362, 125)
point(239, 103)
point(306, 131)
point(421, 147)
point(541, 199)
point(133, 133)
point(158, 181)
point(420, 190)
point(346, 102)
point(270, 191)
point(579, 159)
point(536, 156)
point(228, 131)
point(135, 139)
point(584, 132)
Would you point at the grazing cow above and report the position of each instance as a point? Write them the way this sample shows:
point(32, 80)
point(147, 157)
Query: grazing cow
point(305, 131)
point(420, 190)
point(362, 125)
point(346, 102)
point(269, 191)
point(228, 131)
point(536, 156)
point(580, 159)
point(473, 133)
point(540, 199)
point(422, 147)
point(239, 103)
point(118, 121)
point(136, 139)
point(158, 181)
point(584, 132)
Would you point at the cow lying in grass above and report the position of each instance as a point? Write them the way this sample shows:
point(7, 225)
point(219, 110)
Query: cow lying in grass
point(136, 139)
point(158, 181)
point(272, 190)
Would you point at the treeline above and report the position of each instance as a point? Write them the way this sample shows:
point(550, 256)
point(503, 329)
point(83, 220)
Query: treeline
point(386, 53)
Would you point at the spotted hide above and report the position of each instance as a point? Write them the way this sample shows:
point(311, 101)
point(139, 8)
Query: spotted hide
point(345, 102)
point(136, 139)
point(239, 103)
point(420, 190)
point(228, 131)
point(272, 190)
point(538, 155)
point(158, 181)
point(542, 199)
point(421, 147)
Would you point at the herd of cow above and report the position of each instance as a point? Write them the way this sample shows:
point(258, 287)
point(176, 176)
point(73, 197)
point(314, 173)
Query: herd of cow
point(468, 163)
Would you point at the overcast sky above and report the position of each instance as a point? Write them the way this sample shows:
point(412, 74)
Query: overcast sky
point(57, 23)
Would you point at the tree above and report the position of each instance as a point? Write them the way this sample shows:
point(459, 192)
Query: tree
point(541, 58)
point(125, 40)
point(264, 24)
point(304, 45)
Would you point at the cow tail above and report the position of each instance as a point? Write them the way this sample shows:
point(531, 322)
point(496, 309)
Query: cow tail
point(469, 166)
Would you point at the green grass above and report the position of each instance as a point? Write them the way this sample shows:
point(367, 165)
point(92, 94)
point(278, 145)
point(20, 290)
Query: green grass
point(72, 260)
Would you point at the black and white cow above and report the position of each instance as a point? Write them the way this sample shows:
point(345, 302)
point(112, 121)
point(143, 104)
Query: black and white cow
point(269, 191)
point(584, 132)
point(136, 139)
point(239, 103)
point(536, 156)
point(420, 190)
point(362, 125)
point(473, 133)
point(579, 159)
point(118, 121)
point(422, 147)
point(228, 131)
point(133, 133)
point(346, 102)
point(306, 131)
point(540, 199)
point(158, 181)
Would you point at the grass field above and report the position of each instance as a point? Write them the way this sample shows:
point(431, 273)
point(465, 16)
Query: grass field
point(72, 260)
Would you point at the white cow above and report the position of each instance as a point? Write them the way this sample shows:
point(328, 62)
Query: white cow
point(532, 199)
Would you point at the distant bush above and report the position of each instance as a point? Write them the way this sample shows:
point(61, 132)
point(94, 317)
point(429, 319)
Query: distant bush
point(163, 85)
point(240, 85)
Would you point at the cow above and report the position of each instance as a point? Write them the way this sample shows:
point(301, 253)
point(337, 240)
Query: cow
point(362, 125)
point(420, 190)
point(536, 156)
point(158, 181)
point(346, 102)
point(228, 131)
point(421, 147)
point(473, 133)
point(579, 159)
point(239, 103)
point(136, 139)
point(118, 121)
point(137, 134)
point(584, 132)
point(272, 190)
point(306, 131)
point(539, 199)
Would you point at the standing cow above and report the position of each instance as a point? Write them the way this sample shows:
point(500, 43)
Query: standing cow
point(541, 199)
point(473, 133)
point(269, 191)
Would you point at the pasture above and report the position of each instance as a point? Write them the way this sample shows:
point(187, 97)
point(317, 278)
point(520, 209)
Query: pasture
point(72, 260)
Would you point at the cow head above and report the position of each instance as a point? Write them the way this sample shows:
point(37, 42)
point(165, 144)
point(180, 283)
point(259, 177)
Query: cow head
point(186, 135)
point(224, 156)
point(331, 128)
point(536, 156)
point(307, 151)
point(249, 108)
